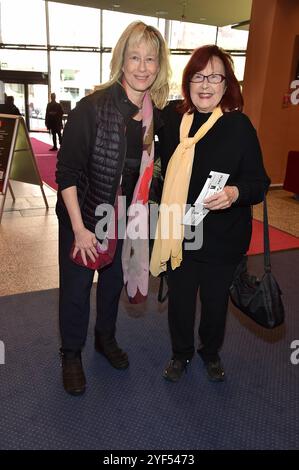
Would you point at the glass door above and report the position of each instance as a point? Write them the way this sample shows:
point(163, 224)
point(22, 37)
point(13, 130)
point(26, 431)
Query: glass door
point(32, 100)
point(37, 104)
point(17, 90)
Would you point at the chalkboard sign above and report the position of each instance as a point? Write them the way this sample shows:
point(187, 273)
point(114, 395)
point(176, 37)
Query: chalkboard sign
point(8, 128)
point(17, 160)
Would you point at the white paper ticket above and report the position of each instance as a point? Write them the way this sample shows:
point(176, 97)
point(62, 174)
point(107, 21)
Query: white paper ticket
point(214, 183)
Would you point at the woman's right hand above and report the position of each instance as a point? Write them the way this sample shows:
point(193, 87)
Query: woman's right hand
point(85, 242)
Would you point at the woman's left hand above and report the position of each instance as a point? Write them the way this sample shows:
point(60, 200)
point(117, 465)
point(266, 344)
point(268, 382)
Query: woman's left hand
point(222, 200)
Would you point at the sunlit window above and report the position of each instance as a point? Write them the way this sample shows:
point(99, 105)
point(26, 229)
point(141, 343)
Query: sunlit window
point(106, 58)
point(178, 63)
point(22, 22)
point(72, 25)
point(239, 64)
point(232, 39)
point(191, 35)
point(114, 24)
point(23, 60)
point(74, 74)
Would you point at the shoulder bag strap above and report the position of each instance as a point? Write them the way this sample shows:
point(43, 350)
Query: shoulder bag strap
point(267, 263)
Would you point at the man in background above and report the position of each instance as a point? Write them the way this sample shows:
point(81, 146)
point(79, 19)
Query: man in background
point(9, 106)
point(54, 113)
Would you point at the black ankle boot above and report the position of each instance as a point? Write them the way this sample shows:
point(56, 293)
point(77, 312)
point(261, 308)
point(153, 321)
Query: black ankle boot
point(214, 367)
point(175, 369)
point(107, 345)
point(74, 381)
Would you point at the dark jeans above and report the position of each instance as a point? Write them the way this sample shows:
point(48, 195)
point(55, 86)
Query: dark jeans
point(74, 294)
point(214, 281)
point(54, 132)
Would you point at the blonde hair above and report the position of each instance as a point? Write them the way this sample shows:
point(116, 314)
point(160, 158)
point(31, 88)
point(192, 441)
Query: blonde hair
point(134, 34)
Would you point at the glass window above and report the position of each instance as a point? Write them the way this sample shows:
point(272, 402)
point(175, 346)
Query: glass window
point(82, 30)
point(106, 58)
point(22, 22)
point(119, 22)
point(37, 102)
point(239, 63)
point(190, 35)
point(17, 90)
point(23, 60)
point(74, 74)
point(232, 39)
point(177, 63)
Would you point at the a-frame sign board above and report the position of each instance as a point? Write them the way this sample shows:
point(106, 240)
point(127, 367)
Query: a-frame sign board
point(17, 160)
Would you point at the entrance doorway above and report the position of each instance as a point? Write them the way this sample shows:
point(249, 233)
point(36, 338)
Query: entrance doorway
point(30, 92)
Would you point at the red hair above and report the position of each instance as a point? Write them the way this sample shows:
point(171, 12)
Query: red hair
point(232, 98)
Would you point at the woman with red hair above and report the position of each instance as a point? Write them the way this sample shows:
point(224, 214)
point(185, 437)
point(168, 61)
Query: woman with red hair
point(206, 132)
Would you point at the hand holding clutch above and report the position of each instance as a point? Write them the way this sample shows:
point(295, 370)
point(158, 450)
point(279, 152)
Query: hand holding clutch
point(105, 251)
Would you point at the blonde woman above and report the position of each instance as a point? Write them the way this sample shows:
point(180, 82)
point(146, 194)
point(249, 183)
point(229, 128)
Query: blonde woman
point(107, 150)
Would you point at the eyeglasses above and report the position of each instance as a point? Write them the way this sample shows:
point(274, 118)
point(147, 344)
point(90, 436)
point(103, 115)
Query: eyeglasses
point(213, 78)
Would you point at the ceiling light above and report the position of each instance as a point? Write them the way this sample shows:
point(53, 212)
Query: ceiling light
point(116, 5)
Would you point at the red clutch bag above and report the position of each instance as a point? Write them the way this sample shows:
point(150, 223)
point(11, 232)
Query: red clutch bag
point(105, 256)
point(106, 250)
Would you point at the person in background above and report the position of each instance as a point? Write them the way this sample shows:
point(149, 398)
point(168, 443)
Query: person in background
point(207, 132)
point(9, 106)
point(53, 120)
point(107, 148)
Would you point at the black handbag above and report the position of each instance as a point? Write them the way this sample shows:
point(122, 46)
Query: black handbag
point(259, 299)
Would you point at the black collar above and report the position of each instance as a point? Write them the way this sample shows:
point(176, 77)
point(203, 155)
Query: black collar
point(122, 102)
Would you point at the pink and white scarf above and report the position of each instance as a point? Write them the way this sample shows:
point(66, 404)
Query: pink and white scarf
point(135, 253)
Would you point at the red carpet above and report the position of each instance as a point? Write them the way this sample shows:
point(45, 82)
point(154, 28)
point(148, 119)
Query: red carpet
point(279, 240)
point(46, 161)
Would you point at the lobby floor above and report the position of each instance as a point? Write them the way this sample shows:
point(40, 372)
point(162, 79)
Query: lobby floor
point(29, 234)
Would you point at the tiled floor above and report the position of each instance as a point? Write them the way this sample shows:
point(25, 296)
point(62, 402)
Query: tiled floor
point(283, 211)
point(28, 235)
point(28, 241)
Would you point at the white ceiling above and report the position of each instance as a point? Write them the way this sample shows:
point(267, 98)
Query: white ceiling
point(212, 12)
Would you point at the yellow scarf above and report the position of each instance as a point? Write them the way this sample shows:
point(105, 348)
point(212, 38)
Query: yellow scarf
point(170, 230)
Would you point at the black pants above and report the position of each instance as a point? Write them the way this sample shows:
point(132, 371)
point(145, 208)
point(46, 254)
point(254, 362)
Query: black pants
point(54, 132)
point(74, 294)
point(214, 281)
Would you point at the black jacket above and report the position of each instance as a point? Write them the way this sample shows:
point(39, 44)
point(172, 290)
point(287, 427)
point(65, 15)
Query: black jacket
point(93, 151)
point(231, 146)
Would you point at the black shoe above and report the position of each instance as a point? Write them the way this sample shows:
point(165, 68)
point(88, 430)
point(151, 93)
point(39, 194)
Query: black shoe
point(53, 149)
point(74, 381)
point(174, 369)
point(108, 347)
point(215, 371)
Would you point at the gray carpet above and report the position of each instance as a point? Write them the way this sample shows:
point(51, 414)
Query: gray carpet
point(256, 408)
